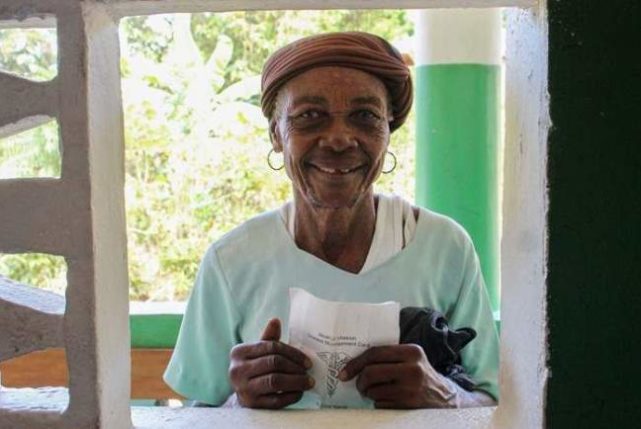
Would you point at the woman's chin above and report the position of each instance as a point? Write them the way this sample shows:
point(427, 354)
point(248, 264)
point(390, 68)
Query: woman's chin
point(336, 201)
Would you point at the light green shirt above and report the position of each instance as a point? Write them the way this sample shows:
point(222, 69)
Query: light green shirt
point(245, 276)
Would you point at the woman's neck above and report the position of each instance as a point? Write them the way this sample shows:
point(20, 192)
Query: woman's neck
point(341, 237)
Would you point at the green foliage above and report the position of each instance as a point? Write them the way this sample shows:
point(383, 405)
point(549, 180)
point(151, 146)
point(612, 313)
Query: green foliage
point(36, 269)
point(149, 37)
point(257, 34)
point(196, 141)
point(32, 153)
point(29, 53)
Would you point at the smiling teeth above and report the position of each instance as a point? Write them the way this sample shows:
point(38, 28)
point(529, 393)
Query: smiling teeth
point(335, 171)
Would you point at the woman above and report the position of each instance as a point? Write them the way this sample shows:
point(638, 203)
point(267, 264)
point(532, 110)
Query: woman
point(332, 102)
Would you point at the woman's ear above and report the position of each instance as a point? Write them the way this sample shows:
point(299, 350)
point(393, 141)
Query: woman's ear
point(274, 136)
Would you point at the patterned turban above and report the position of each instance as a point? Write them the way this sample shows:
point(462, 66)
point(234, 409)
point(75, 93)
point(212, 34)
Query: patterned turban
point(357, 50)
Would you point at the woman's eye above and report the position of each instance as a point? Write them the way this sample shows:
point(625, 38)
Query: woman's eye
point(365, 116)
point(308, 118)
point(309, 114)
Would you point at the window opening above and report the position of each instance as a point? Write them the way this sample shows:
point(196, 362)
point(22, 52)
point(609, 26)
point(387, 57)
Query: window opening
point(46, 367)
point(45, 364)
point(31, 153)
point(538, 49)
point(196, 140)
point(40, 270)
point(31, 53)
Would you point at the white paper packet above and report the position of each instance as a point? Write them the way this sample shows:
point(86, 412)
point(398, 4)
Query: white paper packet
point(332, 333)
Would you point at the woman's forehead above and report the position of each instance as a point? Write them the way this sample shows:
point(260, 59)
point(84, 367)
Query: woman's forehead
point(328, 84)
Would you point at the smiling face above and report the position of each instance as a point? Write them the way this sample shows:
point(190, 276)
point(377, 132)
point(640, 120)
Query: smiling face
point(332, 125)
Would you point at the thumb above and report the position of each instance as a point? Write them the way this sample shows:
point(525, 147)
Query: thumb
point(272, 331)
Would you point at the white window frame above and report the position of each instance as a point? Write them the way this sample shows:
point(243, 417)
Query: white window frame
point(523, 370)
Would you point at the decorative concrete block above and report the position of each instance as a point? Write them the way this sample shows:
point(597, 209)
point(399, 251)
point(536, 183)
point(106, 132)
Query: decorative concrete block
point(80, 216)
point(20, 10)
point(31, 319)
point(41, 215)
point(35, 98)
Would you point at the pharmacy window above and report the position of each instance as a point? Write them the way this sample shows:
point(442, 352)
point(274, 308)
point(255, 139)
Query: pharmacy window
point(523, 172)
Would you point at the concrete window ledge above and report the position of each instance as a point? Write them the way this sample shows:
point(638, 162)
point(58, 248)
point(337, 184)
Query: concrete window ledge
point(50, 403)
point(33, 408)
point(196, 418)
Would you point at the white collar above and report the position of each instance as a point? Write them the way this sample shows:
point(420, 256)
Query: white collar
point(395, 228)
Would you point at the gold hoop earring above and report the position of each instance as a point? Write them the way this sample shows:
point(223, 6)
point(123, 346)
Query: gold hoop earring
point(389, 152)
point(269, 161)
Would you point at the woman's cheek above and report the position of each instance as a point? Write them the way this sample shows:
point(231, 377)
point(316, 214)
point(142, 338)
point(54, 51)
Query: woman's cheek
point(289, 165)
point(293, 167)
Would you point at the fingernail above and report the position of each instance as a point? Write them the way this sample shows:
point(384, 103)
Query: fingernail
point(308, 363)
point(342, 375)
point(310, 382)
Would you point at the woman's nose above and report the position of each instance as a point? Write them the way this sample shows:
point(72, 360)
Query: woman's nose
point(338, 136)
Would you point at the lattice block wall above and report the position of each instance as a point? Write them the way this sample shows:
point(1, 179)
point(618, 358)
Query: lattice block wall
point(79, 216)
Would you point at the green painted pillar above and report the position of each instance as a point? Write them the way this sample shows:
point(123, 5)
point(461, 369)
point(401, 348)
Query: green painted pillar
point(458, 107)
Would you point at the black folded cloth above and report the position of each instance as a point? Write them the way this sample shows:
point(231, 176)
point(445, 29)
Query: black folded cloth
point(429, 329)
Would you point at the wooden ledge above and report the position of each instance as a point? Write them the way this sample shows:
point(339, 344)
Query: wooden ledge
point(49, 368)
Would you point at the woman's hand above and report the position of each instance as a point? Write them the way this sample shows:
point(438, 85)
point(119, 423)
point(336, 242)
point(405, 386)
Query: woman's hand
point(268, 373)
point(400, 376)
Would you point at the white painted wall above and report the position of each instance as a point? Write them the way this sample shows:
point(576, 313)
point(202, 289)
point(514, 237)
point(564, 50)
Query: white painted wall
point(143, 7)
point(523, 248)
point(107, 161)
point(459, 36)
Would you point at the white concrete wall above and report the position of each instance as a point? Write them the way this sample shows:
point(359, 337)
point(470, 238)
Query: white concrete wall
point(523, 247)
point(142, 7)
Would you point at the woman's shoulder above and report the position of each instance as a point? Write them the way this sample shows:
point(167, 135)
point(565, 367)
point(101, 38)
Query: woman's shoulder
point(250, 237)
point(444, 229)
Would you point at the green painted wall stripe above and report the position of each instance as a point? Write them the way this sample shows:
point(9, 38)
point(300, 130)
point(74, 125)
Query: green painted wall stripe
point(151, 331)
point(457, 153)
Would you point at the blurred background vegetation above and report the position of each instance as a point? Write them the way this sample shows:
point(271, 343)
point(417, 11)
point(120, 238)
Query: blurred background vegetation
point(196, 140)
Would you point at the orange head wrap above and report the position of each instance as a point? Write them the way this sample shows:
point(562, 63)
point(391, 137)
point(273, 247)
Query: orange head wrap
point(357, 50)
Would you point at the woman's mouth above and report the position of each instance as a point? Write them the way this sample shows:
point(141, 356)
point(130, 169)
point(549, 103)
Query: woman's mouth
point(336, 171)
